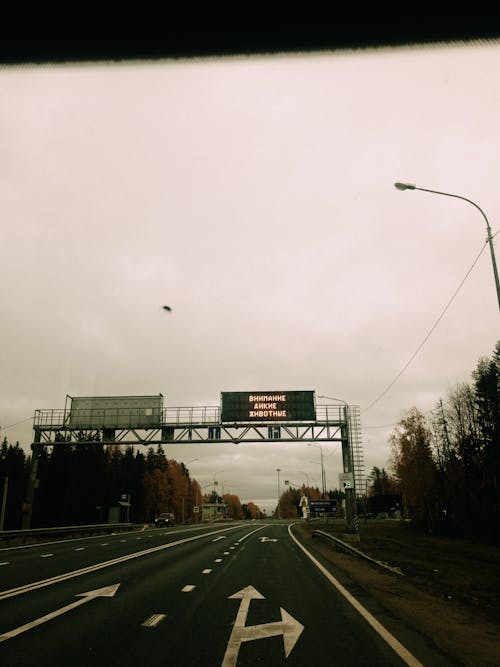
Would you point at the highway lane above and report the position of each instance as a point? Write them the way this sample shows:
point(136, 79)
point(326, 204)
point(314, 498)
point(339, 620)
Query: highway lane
point(246, 595)
point(18, 565)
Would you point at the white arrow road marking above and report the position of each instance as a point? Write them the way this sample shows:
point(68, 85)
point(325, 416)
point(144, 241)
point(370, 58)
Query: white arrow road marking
point(288, 627)
point(267, 539)
point(107, 592)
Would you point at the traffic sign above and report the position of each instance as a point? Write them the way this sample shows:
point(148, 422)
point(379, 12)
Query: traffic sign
point(346, 480)
point(323, 506)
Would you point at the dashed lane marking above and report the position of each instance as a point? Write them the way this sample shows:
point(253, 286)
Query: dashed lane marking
point(46, 555)
point(207, 571)
point(188, 588)
point(99, 566)
point(153, 620)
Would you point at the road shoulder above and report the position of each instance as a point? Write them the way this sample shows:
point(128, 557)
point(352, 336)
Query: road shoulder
point(453, 628)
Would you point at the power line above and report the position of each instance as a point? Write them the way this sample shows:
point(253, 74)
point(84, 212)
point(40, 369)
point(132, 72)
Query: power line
point(4, 428)
point(429, 334)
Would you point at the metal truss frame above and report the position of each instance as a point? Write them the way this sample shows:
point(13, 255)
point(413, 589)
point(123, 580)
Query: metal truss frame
point(194, 425)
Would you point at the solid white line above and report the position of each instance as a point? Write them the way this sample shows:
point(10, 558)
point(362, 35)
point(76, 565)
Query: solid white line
point(6, 563)
point(153, 621)
point(46, 555)
point(99, 566)
point(221, 537)
point(251, 533)
point(401, 650)
point(188, 588)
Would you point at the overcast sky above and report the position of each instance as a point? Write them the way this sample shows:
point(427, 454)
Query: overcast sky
point(255, 197)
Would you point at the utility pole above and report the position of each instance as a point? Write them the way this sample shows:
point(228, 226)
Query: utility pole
point(4, 501)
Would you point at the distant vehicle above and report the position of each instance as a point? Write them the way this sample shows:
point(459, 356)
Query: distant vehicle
point(164, 520)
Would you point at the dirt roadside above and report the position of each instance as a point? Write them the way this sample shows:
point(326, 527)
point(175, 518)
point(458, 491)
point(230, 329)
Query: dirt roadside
point(469, 638)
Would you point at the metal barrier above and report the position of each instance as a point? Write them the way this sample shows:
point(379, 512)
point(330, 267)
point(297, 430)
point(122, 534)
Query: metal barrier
point(38, 534)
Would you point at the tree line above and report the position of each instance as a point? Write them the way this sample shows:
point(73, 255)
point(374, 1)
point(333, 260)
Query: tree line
point(289, 506)
point(446, 466)
point(78, 484)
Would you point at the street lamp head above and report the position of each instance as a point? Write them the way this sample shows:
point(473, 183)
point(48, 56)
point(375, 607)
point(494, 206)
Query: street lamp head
point(405, 186)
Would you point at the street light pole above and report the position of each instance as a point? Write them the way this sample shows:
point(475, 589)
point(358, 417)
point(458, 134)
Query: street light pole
point(215, 481)
point(185, 489)
point(278, 470)
point(489, 238)
point(323, 477)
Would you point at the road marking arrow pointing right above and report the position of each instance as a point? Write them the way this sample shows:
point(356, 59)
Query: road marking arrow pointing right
point(290, 628)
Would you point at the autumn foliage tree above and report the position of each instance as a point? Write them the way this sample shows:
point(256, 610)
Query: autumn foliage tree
point(234, 509)
point(447, 467)
point(79, 483)
point(414, 467)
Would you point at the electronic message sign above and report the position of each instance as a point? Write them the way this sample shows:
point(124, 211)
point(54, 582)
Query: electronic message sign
point(267, 406)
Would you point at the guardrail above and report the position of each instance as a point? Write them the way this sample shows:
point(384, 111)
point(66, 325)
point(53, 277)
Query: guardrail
point(30, 535)
point(326, 537)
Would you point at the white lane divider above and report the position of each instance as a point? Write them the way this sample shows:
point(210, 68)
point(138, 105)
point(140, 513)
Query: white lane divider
point(218, 560)
point(405, 655)
point(80, 549)
point(153, 620)
point(99, 566)
point(207, 571)
point(188, 588)
point(221, 537)
point(46, 555)
point(5, 563)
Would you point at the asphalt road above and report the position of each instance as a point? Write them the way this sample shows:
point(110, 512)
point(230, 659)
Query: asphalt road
point(224, 595)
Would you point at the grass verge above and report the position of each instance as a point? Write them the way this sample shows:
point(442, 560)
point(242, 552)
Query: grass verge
point(451, 569)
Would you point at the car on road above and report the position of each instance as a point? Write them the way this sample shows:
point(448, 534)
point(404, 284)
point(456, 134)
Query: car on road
point(165, 519)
